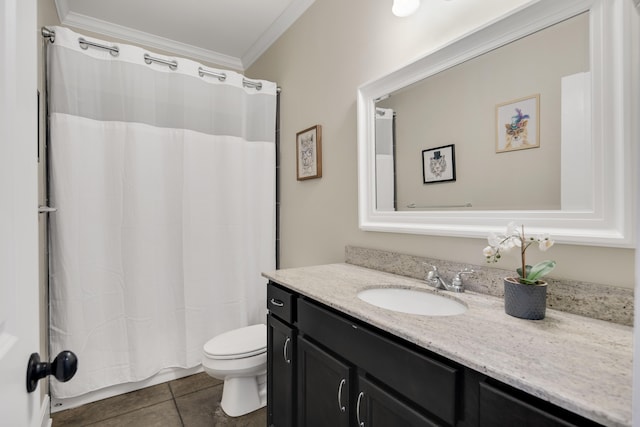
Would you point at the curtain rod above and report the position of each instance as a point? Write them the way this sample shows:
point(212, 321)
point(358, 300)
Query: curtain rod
point(50, 35)
point(173, 65)
point(84, 44)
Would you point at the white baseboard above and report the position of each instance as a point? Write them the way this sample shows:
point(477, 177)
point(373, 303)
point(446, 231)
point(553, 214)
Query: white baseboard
point(45, 408)
point(165, 375)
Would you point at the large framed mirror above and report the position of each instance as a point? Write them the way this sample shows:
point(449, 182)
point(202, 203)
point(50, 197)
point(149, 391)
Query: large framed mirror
point(527, 119)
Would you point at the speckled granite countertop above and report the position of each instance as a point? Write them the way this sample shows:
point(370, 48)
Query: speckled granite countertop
point(581, 364)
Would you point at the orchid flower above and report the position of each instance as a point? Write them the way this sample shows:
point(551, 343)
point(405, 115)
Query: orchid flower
point(515, 237)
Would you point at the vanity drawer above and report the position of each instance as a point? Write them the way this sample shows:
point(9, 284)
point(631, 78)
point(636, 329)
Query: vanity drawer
point(522, 410)
point(417, 377)
point(280, 302)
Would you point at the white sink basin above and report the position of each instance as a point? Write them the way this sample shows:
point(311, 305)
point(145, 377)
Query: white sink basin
point(412, 301)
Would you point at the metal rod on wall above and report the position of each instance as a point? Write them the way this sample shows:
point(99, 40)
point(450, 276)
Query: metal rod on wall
point(84, 44)
point(414, 206)
point(115, 50)
point(204, 72)
point(249, 83)
point(48, 34)
point(149, 59)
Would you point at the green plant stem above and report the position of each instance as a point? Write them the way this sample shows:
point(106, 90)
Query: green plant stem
point(523, 248)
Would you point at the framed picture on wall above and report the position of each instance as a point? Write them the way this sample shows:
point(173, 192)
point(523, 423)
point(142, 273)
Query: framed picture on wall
point(309, 153)
point(518, 124)
point(439, 164)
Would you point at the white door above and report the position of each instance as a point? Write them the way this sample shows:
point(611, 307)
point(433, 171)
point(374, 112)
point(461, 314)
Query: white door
point(19, 312)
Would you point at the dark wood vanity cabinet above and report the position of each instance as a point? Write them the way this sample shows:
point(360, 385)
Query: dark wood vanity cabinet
point(325, 396)
point(281, 358)
point(391, 378)
point(326, 369)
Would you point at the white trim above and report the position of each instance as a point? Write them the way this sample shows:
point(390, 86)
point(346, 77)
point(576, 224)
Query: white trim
point(611, 220)
point(62, 7)
point(279, 27)
point(45, 411)
point(634, 40)
point(19, 309)
point(88, 23)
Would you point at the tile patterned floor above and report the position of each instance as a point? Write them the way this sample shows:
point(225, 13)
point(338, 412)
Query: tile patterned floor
point(187, 402)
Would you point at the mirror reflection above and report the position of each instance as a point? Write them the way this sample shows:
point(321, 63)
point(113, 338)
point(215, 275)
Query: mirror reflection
point(517, 119)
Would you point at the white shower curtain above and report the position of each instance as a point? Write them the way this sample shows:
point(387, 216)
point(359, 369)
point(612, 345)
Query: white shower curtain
point(164, 181)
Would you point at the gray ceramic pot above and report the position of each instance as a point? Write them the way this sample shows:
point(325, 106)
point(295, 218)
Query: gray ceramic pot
point(525, 301)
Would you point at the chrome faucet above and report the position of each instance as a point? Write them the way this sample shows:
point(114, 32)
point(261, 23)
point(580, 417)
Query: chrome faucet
point(434, 279)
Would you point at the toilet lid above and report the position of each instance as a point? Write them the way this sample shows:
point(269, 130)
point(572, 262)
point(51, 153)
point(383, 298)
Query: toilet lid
point(238, 343)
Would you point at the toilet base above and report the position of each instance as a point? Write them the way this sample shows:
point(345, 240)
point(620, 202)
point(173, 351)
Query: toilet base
point(241, 395)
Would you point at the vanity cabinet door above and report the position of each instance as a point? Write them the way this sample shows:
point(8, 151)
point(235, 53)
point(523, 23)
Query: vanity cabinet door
point(375, 407)
point(281, 351)
point(323, 387)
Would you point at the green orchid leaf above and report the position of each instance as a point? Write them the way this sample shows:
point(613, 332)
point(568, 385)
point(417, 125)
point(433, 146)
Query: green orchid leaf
point(527, 271)
point(539, 270)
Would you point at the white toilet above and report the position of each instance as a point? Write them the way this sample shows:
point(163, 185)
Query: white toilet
point(239, 357)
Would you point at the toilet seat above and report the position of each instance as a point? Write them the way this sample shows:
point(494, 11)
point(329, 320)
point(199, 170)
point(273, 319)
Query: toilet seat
point(238, 344)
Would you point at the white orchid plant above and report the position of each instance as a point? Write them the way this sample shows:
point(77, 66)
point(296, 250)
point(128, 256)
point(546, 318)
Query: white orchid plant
point(515, 238)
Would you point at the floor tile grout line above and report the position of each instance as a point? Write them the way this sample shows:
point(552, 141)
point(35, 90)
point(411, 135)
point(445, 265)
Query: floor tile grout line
point(173, 397)
point(198, 390)
point(136, 409)
point(175, 404)
point(130, 412)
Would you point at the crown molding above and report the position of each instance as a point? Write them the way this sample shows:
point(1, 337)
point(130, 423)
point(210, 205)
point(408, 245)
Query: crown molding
point(295, 9)
point(62, 8)
point(151, 40)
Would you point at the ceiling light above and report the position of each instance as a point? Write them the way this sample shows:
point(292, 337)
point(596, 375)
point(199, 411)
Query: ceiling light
point(402, 8)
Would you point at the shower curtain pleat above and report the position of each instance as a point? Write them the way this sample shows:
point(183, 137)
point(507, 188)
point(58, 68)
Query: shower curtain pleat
point(164, 183)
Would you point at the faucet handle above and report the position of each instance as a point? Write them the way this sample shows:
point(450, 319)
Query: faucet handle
point(457, 280)
point(433, 272)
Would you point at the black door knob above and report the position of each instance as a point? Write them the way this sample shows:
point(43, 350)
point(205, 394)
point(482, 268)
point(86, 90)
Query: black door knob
point(63, 367)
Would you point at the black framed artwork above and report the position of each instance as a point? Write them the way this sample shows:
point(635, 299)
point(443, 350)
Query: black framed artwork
point(439, 164)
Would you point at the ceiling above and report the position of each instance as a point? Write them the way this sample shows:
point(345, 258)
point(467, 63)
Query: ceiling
point(228, 33)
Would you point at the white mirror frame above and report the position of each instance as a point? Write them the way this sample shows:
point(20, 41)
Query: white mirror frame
point(611, 221)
